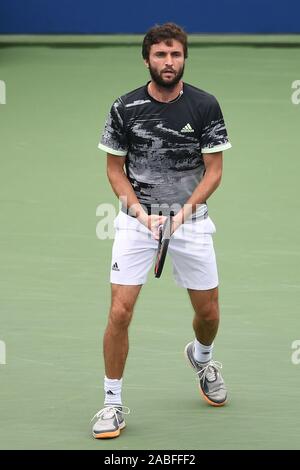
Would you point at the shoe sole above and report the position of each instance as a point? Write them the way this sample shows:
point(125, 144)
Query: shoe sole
point(111, 434)
point(212, 403)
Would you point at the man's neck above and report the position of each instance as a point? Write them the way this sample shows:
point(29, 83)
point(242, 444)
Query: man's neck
point(164, 94)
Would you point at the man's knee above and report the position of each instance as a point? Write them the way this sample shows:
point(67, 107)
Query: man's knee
point(208, 311)
point(120, 314)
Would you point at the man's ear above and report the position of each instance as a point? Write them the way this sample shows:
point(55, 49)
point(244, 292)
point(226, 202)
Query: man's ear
point(146, 63)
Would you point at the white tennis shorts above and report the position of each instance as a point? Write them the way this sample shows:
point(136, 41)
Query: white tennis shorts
point(191, 251)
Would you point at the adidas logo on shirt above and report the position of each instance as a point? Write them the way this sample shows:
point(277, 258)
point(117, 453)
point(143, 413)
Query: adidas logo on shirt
point(115, 267)
point(187, 128)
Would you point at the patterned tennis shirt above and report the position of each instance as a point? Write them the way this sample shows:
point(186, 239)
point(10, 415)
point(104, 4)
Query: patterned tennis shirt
point(164, 144)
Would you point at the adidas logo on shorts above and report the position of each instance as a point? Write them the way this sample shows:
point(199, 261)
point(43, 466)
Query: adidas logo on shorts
point(115, 267)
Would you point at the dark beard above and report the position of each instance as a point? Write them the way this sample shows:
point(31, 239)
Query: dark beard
point(160, 82)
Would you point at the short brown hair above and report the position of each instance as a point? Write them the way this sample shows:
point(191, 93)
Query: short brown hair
point(164, 33)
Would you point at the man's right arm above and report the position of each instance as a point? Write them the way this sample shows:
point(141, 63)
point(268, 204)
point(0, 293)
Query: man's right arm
point(123, 189)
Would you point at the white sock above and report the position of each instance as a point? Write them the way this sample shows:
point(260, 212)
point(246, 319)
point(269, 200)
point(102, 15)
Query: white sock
point(113, 390)
point(202, 353)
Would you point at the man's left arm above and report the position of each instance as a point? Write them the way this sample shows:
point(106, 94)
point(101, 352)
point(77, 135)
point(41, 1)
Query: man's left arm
point(211, 180)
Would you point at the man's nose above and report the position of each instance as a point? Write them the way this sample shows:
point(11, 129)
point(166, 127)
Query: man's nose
point(169, 60)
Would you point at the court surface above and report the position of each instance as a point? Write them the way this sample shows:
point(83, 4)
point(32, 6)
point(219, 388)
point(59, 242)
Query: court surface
point(54, 270)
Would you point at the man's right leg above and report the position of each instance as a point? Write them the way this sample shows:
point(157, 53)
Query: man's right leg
point(115, 347)
point(115, 342)
point(132, 256)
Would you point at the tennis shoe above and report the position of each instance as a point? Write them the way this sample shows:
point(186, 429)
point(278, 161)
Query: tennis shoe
point(110, 421)
point(211, 383)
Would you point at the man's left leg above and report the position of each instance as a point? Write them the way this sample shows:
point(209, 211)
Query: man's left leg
point(206, 319)
point(199, 351)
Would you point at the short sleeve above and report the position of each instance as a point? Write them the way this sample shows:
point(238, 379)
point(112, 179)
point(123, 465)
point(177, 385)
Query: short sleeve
point(114, 139)
point(214, 136)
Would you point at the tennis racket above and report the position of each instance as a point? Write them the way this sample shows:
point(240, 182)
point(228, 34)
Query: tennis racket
point(163, 243)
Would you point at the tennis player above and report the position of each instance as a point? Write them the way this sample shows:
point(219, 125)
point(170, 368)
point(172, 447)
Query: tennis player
point(164, 143)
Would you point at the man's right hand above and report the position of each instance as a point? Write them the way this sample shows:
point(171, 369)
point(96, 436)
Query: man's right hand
point(152, 222)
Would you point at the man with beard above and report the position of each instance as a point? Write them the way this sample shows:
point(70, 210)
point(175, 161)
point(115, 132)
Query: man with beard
point(170, 137)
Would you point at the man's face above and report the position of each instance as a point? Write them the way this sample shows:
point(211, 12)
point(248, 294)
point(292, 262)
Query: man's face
point(166, 63)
